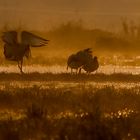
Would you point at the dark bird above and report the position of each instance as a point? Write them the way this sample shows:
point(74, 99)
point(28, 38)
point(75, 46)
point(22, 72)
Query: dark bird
point(91, 65)
point(17, 45)
point(76, 61)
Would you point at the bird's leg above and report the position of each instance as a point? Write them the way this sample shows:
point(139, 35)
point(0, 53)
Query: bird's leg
point(67, 67)
point(71, 70)
point(20, 65)
point(88, 72)
point(76, 71)
point(80, 70)
point(96, 72)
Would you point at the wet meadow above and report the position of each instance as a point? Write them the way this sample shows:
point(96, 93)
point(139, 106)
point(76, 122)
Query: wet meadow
point(49, 103)
point(64, 106)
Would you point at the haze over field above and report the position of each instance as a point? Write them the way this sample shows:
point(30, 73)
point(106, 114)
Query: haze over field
point(108, 27)
point(69, 69)
point(46, 14)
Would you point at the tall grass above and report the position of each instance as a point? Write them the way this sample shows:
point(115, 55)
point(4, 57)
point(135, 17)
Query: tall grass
point(84, 113)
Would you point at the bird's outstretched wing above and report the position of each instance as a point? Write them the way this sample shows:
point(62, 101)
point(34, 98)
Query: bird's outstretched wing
point(33, 40)
point(84, 55)
point(88, 50)
point(10, 37)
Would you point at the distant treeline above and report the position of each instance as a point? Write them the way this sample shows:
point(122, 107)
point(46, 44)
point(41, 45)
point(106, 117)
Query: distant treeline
point(73, 36)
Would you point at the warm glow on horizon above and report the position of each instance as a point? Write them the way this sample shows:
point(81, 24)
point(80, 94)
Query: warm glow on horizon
point(69, 69)
point(46, 14)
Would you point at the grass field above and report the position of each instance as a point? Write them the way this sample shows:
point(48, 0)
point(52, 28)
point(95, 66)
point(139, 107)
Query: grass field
point(47, 106)
point(49, 103)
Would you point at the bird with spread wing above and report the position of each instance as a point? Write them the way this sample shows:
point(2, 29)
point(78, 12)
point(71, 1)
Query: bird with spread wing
point(17, 46)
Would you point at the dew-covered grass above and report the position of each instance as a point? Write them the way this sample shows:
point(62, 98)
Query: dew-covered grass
point(66, 110)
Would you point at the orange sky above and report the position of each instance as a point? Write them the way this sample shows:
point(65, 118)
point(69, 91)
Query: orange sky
point(45, 14)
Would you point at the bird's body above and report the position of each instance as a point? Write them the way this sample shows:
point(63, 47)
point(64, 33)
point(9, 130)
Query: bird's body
point(15, 50)
point(76, 61)
point(92, 65)
point(84, 55)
